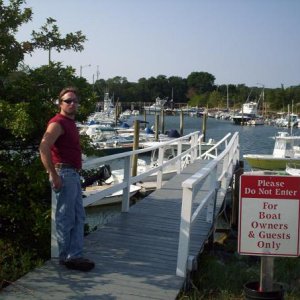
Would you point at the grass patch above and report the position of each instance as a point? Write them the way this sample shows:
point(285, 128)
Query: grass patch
point(222, 272)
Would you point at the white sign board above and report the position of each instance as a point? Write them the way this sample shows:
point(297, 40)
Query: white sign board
point(269, 215)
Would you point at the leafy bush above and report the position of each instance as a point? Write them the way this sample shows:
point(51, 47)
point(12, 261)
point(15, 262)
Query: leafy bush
point(24, 214)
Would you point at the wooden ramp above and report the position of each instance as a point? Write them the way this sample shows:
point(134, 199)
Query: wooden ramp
point(135, 254)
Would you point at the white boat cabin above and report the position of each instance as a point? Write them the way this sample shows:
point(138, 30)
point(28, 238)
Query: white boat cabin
point(286, 146)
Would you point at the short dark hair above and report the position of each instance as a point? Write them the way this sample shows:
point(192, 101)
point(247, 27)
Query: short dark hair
point(68, 89)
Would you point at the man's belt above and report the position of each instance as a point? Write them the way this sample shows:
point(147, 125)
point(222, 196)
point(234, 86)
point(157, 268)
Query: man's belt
point(60, 166)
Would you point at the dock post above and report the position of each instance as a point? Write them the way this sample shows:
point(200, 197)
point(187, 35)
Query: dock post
point(211, 208)
point(242, 122)
point(156, 126)
point(116, 115)
point(266, 273)
point(162, 114)
point(135, 146)
point(181, 122)
point(235, 194)
point(126, 191)
point(204, 125)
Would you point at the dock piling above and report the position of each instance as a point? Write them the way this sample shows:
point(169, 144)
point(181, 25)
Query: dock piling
point(156, 126)
point(135, 146)
point(181, 123)
point(162, 114)
point(204, 125)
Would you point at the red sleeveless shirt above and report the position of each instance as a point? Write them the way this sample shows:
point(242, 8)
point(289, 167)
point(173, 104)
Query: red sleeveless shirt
point(66, 149)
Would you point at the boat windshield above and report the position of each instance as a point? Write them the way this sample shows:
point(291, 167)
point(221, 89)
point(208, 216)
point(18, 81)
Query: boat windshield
point(286, 147)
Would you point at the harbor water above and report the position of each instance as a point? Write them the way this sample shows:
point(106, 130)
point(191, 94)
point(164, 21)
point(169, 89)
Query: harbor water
point(253, 139)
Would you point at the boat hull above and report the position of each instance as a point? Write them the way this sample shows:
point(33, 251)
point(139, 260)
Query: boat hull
point(262, 162)
point(116, 197)
point(242, 119)
point(257, 121)
point(293, 169)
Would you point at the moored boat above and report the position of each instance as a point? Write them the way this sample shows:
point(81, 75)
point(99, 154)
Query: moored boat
point(100, 179)
point(249, 111)
point(286, 151)
point(115, 197)
point(256, 121)
point(157, 106)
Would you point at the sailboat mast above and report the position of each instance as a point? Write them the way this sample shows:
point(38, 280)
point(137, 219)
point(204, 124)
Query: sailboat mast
point(227, 98)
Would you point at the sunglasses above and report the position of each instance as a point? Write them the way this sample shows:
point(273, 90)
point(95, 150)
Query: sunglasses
point(69, 101)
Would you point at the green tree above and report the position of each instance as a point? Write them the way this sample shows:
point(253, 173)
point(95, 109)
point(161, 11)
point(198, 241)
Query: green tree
point(199, 100)
point(50, 38)
point(27, 100)
point(242, 95)
point(11, 51)
point(178, 87)
point(215, 99)
point(142, 90)
point(200, 82)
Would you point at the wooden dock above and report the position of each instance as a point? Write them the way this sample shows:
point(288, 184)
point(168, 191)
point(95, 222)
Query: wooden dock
point(139, 252)
point(135, 254)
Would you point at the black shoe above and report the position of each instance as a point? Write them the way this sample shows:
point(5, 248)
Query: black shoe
point(81, 264)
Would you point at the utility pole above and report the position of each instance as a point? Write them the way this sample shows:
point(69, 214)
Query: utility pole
point(81, 67)
point(97, 73)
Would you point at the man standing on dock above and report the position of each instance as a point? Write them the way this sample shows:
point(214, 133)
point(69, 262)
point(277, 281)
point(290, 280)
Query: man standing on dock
point(61, 156)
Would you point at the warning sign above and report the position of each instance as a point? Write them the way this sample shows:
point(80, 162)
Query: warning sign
point(269, 215)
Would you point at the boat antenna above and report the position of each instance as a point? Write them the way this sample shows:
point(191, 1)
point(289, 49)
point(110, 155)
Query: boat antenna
point(249, 95)
point(292, 123)
point(261, 96)
point(227, 97)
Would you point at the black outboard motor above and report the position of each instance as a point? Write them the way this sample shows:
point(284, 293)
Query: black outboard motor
point(99, 176)
point(173, 133)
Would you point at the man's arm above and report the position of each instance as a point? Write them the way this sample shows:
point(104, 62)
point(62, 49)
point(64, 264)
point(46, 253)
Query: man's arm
point(54, 130)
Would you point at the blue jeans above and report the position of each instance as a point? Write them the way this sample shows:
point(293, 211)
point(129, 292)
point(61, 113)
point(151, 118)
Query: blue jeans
point(70, 215)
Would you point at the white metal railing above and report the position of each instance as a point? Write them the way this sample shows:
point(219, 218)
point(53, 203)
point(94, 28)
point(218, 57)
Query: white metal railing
point(216, 148)
point(193, 152)
point(195, 143)
point(223, 164)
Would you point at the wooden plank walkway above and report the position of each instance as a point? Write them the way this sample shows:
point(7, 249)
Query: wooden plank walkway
point(135, 254)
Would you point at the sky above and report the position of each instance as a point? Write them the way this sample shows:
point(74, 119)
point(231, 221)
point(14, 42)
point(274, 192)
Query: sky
point(251, 42)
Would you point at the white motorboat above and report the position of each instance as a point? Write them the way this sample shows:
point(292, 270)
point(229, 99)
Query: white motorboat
point(256, 121)
point(249, 111)
point(115, 197)
point(157, 106)
point(101, 185)
point(286, 151)
point(106, 116)
point(146, 164)
point(99, 132)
